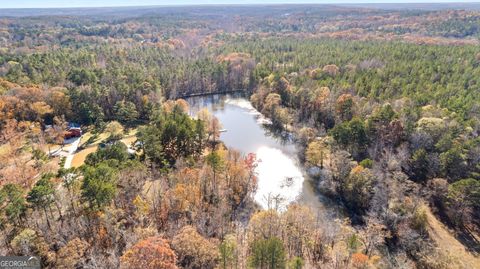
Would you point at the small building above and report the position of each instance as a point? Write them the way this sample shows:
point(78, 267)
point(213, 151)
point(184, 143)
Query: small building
point(73, 132)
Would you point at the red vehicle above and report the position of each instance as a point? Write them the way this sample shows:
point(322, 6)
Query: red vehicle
point(73, 132)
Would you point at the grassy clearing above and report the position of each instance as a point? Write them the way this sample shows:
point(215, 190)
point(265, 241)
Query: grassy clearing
point(132, 132)
point(91, 139)
point(91, 142)
point(86, 136)
point(79, 157)
point(129, 140)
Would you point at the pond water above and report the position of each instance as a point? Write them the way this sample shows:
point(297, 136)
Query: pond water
point(281, 178)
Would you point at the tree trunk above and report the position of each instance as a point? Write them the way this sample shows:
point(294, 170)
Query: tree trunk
point(59, 213)
point(46, 217)
point(73, 204)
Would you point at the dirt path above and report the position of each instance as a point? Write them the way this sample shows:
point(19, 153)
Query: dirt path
point(448, 244)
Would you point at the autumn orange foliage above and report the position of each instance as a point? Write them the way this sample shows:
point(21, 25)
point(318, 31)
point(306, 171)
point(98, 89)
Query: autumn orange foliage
point(359, 260)
point(153, 252)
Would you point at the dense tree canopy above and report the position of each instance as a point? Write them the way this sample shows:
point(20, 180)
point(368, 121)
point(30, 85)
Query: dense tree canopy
point(382, 105)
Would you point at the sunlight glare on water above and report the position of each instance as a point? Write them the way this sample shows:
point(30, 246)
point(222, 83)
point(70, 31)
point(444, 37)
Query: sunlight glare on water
point(245, 104)
point(278, 177)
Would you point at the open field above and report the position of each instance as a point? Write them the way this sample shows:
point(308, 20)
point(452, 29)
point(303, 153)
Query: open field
point(80, 156)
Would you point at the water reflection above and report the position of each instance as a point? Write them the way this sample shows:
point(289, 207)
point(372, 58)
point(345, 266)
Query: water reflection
point(280, 176)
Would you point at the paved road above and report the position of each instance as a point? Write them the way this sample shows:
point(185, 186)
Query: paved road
point(68, 152)
point(74, 143)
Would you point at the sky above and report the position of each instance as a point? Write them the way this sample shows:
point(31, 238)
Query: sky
point(106, 3)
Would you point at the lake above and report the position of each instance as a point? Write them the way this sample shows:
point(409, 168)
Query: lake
point(281, 177)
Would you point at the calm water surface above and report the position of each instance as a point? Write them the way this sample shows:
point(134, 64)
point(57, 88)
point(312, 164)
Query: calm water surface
point(280, 174)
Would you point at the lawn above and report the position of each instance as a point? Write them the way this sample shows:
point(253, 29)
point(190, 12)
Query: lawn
point(129, 140)
point(79, 157)
point(97, 139)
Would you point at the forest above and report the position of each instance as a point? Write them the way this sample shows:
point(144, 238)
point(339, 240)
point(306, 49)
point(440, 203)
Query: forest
point(382, 105)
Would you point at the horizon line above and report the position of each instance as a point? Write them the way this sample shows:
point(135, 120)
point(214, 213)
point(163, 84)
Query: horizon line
point(247, 4)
